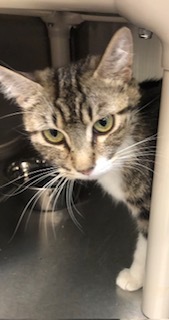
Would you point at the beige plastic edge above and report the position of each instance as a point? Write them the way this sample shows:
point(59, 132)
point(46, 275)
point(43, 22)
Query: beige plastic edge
point(156, 286)
point(60, 5)
point(152, 15)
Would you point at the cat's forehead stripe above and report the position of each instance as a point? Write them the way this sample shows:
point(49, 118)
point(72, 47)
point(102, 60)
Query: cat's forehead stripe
point(90, 112)
point(54, 118)
point(61, 111)
point(80, 88)
point(70, 96)
point(56, 80)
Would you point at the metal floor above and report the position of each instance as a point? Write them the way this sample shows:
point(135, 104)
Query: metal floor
point(54, 271)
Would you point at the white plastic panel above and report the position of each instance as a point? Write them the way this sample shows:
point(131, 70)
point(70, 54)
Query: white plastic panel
point(105, 6)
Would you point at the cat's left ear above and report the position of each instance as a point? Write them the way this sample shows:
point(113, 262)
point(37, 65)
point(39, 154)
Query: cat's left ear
point(18, 87)
point(118, 57)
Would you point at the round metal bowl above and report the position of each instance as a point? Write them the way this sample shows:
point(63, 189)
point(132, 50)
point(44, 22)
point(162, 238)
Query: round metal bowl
point(32, 178)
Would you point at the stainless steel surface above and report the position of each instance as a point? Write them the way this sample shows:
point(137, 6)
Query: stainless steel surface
point(51, 270)
point(38, 183)
point(32, 177)
point(145, 34)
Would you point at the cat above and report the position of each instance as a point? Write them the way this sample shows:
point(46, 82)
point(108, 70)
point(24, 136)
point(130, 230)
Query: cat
point(92, 121)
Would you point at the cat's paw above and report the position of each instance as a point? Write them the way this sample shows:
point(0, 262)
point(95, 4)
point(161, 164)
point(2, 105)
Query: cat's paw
point(127, 281)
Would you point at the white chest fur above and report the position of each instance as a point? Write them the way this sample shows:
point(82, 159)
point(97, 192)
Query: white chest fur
point(112, 183)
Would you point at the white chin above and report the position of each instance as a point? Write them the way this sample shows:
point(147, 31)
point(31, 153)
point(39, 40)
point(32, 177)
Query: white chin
point(102, 167)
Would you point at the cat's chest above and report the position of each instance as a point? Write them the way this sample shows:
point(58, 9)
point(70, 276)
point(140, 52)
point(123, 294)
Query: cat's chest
point(112, 183)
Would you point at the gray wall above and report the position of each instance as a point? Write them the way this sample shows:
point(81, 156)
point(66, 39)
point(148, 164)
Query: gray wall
point(24, 46)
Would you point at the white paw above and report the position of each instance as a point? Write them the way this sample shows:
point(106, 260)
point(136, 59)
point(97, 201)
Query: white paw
point(127, 281)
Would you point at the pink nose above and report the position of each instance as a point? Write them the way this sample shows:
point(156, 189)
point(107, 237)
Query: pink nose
point(87, 172)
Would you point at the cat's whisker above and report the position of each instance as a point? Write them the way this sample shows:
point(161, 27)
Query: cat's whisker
point(69, 207)
point(140, 155)
point(147, 104)
point(146, 154)
point(22, 216)
point(21, 131)
point(137, 156)
point(39, 195)
point(136, 162)
point(24, 211)
point(135, 168)
point(136, 165)
point(72, 201)
point(148, 139)
point(131, 166)
point(23, 187)
point(134, 159)
point(60, 187)
point(11, 115)
point(141, 150)
point(145, 157)
point(45, 213)
point(58, 190)
point(49, 185)
point(33, 181)
point(23, 176)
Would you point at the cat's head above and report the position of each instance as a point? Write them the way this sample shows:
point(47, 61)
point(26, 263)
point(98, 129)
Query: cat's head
point(79, 117)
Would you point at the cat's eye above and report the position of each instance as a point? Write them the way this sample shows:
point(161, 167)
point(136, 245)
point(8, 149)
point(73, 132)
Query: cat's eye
point(104, 125)
point(53, 136)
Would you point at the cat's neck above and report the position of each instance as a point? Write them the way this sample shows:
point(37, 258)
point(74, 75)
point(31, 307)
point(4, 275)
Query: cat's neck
point(112, 183)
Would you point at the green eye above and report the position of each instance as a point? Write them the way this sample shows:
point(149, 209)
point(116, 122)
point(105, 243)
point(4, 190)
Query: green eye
point(104, 125)
point(53, 136)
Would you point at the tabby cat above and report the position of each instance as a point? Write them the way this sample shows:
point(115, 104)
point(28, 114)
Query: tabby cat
point(92, 121)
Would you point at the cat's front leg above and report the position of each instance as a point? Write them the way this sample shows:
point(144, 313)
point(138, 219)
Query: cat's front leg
point(132, 279)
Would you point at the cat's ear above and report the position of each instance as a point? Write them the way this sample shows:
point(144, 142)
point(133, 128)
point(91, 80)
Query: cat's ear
point(118, 57)
point(18, 86)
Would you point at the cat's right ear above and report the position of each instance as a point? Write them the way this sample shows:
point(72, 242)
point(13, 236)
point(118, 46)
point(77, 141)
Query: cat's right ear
point(18, 87)
point(118, 57)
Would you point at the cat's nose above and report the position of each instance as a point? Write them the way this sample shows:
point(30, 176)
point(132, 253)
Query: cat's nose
point(86, 172)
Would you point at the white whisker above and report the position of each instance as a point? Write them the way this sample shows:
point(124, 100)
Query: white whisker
point(23, 176)
point(25, 185)
point(72, 201)
point(39, 195)
point(147, 104)
point(153, 137)
point(32, 200)
point(69, 207)
point(60, 187)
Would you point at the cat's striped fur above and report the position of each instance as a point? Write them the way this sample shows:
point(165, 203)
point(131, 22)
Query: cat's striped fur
point(71, 101)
